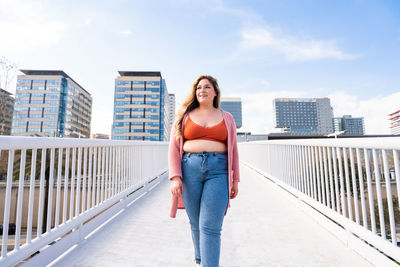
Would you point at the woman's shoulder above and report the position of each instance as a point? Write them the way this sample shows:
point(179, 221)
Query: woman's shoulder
point(227, 114)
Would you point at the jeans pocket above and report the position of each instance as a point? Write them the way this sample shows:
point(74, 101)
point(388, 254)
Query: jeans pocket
point(221, 157)
point(185, 157)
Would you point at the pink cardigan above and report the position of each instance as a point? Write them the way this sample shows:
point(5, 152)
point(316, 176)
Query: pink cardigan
point(175, 153)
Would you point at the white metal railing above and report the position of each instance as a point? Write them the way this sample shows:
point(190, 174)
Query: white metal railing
point(355, 182)
point(71, 182)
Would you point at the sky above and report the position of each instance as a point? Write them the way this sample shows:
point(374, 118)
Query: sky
point(347, 50)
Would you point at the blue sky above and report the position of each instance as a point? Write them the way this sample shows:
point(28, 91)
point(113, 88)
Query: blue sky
point(258, 50)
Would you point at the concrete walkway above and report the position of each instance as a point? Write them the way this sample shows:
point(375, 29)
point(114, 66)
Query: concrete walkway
point(263, 227)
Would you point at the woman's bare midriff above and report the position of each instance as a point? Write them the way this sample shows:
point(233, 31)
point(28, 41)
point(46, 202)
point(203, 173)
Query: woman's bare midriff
point(199, 145)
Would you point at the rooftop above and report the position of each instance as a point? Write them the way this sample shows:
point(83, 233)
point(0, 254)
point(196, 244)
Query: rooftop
point(231, 99)
point(51, 73)
point(300, 99)
point(140, 73)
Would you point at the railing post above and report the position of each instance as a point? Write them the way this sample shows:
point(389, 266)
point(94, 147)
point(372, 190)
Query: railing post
point(31, 196)
point(6, 218)
point(66, 186)
point(41, 192)
point(85, 155)
point(379, 194)
point(328, 199)
point(389, 198)
point(20, 199)
point(362, 190)
point(355, 191)
point(334, 158)
point(341, 180)
point(78, 182)
point(348, 192)
point(72, 196)
point(321, 175)
point(331, 185)
point(370, 196)
point(58, 194)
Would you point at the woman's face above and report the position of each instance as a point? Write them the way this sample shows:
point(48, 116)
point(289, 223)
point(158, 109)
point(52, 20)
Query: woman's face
point(205, 92)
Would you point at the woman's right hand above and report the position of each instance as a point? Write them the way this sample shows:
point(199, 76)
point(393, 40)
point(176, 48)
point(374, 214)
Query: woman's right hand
point(176, 186)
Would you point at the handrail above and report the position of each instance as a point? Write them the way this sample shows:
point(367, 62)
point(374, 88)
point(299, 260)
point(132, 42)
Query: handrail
point(28, 142)
point(373, 142)
point(71, 182)
point(354, 181)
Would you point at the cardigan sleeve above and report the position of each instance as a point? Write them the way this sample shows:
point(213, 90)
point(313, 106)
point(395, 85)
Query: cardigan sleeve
point(174, 157)
point(235, 163)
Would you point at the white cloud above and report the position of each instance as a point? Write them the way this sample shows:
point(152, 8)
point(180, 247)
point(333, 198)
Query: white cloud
point(126, 32)
point(102, 119)
point(258, 37)
point(87, 21)
point(374, 110)
point(265, 83)
point(294, 49)
point(26, 26)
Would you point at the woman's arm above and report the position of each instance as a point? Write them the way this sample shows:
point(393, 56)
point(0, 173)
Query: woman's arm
point(174, 155)
point(235, 162)
point(174, 164)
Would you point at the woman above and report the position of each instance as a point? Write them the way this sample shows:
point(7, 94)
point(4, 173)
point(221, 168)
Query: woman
point(204, 166)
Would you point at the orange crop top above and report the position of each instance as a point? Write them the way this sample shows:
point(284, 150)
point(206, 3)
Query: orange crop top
point(216, 133)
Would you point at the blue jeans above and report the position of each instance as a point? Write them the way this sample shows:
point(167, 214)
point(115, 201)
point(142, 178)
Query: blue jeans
point(205, 195)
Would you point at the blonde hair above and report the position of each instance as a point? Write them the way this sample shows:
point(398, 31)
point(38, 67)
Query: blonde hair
point(191, 101)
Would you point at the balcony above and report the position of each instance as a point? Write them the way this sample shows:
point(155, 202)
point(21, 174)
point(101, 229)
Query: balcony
point(301, 203)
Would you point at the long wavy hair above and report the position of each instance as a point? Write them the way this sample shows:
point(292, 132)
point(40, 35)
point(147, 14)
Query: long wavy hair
point(191, 101)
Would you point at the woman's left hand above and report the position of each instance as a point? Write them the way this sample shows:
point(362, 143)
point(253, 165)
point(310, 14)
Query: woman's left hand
point(234, 190)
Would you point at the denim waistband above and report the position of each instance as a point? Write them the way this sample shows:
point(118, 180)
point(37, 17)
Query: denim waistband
point(188, 154)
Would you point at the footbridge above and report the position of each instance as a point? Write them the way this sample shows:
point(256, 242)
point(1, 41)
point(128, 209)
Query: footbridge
point(311, 202)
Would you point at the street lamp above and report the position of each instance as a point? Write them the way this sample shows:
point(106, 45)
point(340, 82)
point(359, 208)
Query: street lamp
point(335, 134)
point(79, 134)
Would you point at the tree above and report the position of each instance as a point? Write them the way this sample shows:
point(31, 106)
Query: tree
point(7, 74)
point(8, 71)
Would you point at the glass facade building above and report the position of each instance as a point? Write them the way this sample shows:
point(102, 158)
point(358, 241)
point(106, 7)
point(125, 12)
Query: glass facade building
point(394, 119)
point(351, 126)
point(141, 107)
point(303, 115)
point(171, 99)
point(6, 112)
point(337, 124)
point(50, 103)
point(234, 106)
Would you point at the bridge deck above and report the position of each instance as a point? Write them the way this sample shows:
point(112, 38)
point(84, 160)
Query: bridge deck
point(264, 227)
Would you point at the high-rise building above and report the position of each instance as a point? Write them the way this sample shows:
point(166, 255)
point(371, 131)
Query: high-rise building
point(141, 110)
point(324, 115)
point(171, 109)
point(51, 103)
point(234, 106)
point(351, 126)
point(303, 115)
point(394, 119)
point(100, 136)
point(337, 124)
point(6, 112)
